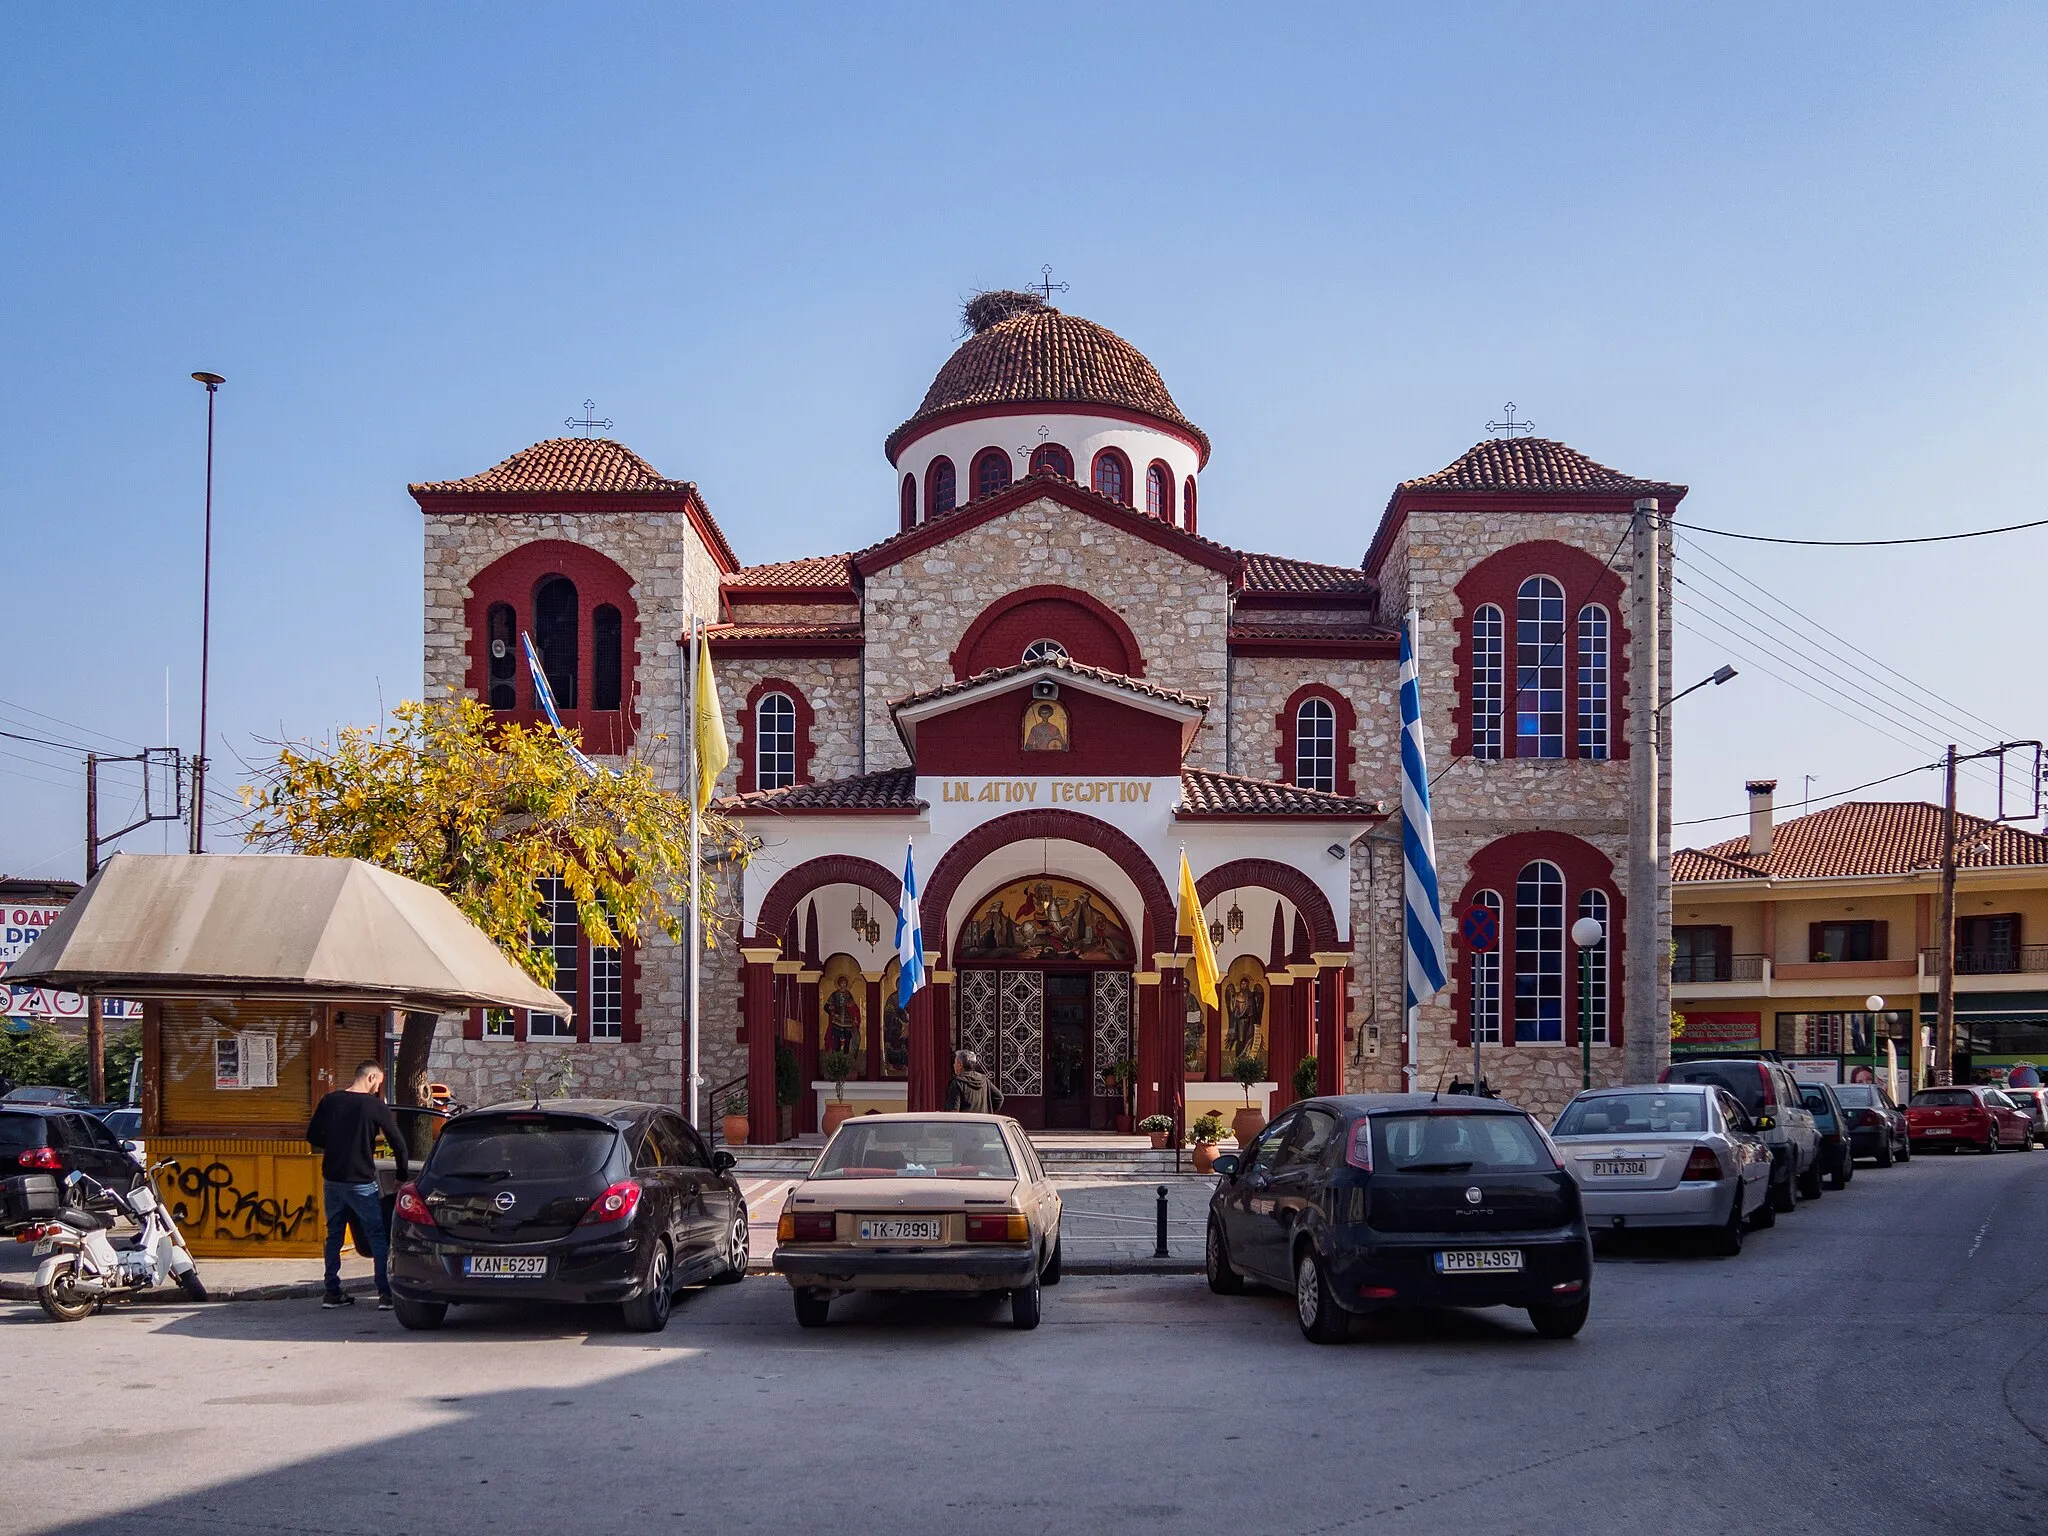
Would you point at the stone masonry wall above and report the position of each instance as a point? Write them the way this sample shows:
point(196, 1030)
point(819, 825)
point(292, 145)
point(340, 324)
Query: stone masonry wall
point(830, 685)
point(918, 610)
point(1261, 685)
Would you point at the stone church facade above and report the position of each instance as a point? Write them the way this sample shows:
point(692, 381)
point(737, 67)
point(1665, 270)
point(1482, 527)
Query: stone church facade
point(1047, 681)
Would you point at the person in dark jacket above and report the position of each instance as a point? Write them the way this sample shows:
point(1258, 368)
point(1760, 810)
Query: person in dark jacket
point(972, 1090)
point(344, 1131)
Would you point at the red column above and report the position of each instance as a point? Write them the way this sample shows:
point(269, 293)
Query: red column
point(927, 1089)
point(757, 1008)
point(874, 1028)
point(807, 1051)
point(1144, 1043)
point(1332, 987)
point(1170, 1065)
point(1285, 1037)
point(940, 990)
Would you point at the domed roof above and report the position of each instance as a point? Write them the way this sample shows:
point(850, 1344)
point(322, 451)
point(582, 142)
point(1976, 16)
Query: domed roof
point(1025, 352)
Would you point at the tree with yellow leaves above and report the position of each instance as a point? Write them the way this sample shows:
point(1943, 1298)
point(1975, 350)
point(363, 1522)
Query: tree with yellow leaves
point(484, 811)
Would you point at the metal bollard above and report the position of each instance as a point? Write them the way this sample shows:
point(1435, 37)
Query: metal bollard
point(1159, 1243)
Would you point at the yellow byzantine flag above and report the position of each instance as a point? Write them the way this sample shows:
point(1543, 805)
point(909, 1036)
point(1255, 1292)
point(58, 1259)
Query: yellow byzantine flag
point(708, 729)
point(1191, 925)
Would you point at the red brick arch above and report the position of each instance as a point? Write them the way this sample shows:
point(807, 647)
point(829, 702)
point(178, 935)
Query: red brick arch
point(1027, 826)
point(1307, 896)
point(815, 874)
point(1089, 628)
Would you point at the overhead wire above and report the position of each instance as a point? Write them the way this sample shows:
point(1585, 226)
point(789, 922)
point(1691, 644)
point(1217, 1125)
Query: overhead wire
point(1903, 773)
point(1925, 538)
point(69, 724)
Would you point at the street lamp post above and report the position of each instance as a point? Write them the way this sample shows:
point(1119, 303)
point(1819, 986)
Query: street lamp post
point(213, 382)
point(1586, 932)
point(1876, 1006)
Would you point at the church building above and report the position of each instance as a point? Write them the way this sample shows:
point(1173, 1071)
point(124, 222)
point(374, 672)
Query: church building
point(1052, 669)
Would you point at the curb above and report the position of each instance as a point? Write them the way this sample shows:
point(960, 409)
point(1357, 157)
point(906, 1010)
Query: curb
point(299, 1290)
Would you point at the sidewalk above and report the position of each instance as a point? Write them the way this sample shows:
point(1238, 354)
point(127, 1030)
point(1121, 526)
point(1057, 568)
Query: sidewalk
point(225, 1279)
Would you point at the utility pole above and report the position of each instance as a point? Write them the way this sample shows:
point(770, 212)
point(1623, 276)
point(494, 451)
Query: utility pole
point(95, 1014)
point(213, 382)
point(1646, 1044)
point(1945, 984)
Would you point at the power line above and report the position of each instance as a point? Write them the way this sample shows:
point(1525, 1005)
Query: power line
point(70, 724)
point(1925, 538)
point(1903, 773)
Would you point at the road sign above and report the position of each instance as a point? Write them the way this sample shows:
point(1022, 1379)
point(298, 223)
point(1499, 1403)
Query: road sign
point(1479, 928)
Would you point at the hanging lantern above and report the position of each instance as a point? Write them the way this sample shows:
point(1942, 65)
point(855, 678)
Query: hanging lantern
point(1215, 930)
point(874, 931)
point(1234, 918)
point(860, 916)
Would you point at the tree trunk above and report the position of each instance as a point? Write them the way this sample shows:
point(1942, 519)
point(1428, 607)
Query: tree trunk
point(415, 1044)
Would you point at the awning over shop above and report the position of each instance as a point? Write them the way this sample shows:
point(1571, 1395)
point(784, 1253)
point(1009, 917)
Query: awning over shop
point(273, 926)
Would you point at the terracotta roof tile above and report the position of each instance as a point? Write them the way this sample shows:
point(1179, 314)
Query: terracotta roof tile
point(567, 464)
point(811, 571)
point(1229, 794)
point(1024, 351)
point(1863, 837)
point(1312, 629)
point(893, 789)
point(743, 631)
point(1057, 664)
point(1526, 464)
point(1278, 573)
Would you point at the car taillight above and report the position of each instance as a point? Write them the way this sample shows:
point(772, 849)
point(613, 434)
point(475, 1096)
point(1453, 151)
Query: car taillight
point(806, 1227)
point(40, 1157)
point(616, 1204)
point(1770, 1088)
point(1358, 1151)
point(998, 1227)
point(1870, 1117)
point(1703, 1164)
point(411, 1207)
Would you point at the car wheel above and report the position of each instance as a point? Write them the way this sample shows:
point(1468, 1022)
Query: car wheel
point(418, 1316)
point(1561, 1322)
point(812, 1308)
point(1322, 1320)
point(1991, 1142)
point(1884, 1153)
point(1050, 1275)
point(1810, 1187)
point(1223, 1280)
point(1781, 1196)
point(1727, 1238)
point(1765, 1215)
point(648, 1312)
point(735, 1268)
point(1844, 1171)
point(1906, 1150)
point(1024, 1306)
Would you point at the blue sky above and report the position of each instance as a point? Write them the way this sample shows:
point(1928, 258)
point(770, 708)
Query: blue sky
point(1790, 256)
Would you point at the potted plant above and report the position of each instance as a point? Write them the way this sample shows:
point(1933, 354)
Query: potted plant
point(1158, 1127)
point(734, 1121)
point(1248, 1122)
point(1123, 1076)
point(837, 1067)
point(1305, 1078)
point(1203, 1136)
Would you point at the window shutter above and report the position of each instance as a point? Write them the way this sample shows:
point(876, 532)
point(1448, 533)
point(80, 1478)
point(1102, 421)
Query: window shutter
point(1813, 941)
point(1880, 940)
point(473, 1024)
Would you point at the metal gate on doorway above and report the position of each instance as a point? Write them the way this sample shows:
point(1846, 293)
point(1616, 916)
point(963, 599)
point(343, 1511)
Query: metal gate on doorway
point(1047, 1037)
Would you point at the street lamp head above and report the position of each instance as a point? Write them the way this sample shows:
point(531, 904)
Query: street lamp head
point(1587, 932)
point(1874, 1003)
point(212, 381)
point(1722, 674)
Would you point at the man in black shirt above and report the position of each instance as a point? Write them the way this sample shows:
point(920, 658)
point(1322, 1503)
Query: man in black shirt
point(344, 1131)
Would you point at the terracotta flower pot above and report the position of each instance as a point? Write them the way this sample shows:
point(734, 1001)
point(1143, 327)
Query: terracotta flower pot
point(735, 1129)
point(1158, 1140)
point(1205, 1156)
point(1247, 1123)
point(836, 1113)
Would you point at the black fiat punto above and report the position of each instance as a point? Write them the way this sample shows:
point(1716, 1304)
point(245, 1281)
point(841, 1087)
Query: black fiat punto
point(577, 1200)
point(1369, 1201)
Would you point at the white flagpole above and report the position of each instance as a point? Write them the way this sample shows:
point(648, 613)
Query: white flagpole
point(696, 867)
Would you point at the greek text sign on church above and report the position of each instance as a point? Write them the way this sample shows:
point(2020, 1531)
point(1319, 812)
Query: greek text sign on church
point(1052, 669)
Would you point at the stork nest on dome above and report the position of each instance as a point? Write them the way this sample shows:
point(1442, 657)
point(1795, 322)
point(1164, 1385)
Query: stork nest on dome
point(997, 305)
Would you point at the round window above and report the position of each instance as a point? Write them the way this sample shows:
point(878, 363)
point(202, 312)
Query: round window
point(1045, 650)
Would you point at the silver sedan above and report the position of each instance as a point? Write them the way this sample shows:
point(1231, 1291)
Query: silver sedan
point(1670, 1155)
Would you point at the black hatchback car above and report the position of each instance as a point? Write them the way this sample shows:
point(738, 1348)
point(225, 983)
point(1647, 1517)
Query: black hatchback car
point(592, 1201)
point(1383, 1200)
point(41, 1143)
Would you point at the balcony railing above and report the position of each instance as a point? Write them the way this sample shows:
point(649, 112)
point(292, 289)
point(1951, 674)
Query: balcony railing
point(2003, 960)
point(1695, 968)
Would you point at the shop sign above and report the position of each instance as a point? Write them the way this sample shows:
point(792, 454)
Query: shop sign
point(21, 926)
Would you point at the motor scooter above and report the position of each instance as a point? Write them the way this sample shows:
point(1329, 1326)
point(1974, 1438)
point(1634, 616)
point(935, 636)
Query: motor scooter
point(85, 1268)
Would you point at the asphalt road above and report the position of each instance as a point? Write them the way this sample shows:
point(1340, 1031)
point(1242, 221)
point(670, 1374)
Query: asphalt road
point(1875, 1364)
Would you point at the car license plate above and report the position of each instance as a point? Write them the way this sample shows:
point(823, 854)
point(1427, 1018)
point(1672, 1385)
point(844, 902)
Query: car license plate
point(901, 1231)
point(1621, 1168)
point(1478, 1261)
point(1936, 1130)
point(506, 1266)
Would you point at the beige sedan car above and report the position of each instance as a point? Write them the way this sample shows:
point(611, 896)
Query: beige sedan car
point(922, 1203)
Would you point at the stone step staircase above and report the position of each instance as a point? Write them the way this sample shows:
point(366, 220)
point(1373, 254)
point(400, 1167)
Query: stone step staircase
point(1065, 1155)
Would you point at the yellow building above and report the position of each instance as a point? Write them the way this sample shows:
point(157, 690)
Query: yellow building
point(1781, 937)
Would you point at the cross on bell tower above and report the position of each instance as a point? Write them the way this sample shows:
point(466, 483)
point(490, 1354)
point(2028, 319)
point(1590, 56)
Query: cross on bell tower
point(1045, 287)
point(590, 424)
point(1511, 426)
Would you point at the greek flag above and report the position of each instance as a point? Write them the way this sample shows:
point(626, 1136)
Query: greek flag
point(1425, 918)
point(909, 933)
point(546, 695)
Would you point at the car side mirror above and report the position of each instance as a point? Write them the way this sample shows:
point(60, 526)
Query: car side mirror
point(1766, 1123)
point(131, 1148)
point(723, 1160)
point(1225, 1165)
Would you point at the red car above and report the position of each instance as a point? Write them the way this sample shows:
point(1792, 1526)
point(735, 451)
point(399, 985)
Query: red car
point(1981, 1117)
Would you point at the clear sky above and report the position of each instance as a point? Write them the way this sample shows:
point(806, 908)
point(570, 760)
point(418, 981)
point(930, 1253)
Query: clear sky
point(1791, 256)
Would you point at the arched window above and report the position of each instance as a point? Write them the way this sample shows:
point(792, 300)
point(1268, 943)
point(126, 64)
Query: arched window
point(907, 515)
point(1593, 682)
point(1539, 954)
point(1045, 650)
point(503, 640)
point(1315, 746)
point(607, 643)
point(1187, 505)
point(1539, 668)
point(774, 741)
point(1486, 977)
point(991, 471)
point(1112, 476)
point(554, 636)
point(938, 488)
point(1488, 683)
point(1593, 972)
point(559, 932)
point(1051, 458)
point(1159, 492)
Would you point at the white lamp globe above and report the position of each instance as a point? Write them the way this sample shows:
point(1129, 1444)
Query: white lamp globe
point(1874, 1003)
point(1587, 932)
